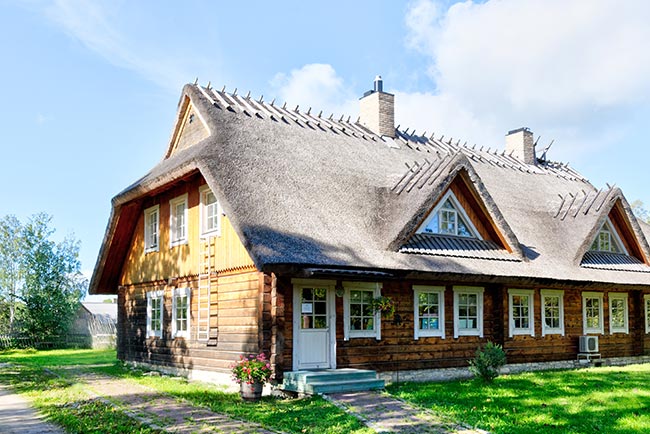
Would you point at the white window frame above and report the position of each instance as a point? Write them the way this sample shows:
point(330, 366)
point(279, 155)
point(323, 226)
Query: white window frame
point(203, 191)
point(608, 227)
point(646, 305)
point(160, 294)
point(349, 334)
point(530, 330)
point(423, 289)
point(548, 293)
point(479, 311)
point(624, 297)
point(151, 247)
point(459, 210)
point(174, 239)
point(597, 330)
point(176, 294)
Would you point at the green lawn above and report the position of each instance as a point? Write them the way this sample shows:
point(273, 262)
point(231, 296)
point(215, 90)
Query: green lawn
point(597, 400)
point(65, 402)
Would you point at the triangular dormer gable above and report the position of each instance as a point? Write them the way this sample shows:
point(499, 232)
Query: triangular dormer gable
point(477, 226)
point(189, 129)
point(608, 240)
point(616, 240)
point(449, 218)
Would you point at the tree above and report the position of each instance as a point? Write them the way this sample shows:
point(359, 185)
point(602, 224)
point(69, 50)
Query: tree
point(48, 284)
point(10, 270)
point(639, 211)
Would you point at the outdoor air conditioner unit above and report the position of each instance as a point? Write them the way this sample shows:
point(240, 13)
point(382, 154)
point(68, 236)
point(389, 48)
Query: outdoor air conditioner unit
point(588, 344)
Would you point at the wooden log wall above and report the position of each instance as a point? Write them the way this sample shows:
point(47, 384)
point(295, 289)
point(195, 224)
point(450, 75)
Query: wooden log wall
point(235, 312)
point(398, 350)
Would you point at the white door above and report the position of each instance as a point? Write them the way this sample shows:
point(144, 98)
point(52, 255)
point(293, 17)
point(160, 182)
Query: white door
point(313, 324)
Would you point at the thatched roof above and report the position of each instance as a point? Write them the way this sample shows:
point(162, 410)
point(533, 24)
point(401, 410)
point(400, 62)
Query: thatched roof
point(307, 191)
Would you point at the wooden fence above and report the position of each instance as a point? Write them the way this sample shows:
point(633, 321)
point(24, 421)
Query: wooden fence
point(73, 340)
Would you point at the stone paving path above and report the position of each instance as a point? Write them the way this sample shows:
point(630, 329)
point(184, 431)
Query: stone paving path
point(385, 414)
point(18, 417)
point(161, 411)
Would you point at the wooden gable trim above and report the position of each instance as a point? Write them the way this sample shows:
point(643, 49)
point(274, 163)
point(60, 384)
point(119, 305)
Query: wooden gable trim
point(623, 228)
point(178, 134)
point(475, 209)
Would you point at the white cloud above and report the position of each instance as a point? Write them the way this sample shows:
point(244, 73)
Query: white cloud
point(318, 86)
point(564, 67)
point(103, 28)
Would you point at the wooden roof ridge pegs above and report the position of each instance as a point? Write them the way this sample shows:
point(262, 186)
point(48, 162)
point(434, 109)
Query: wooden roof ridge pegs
point(341, 118)
point(296, 109)
point(223, 89)
point(348, 121)
point(284, 106)
point(272, 102)
point(208, 86)
point(320, 113)
point(308, 111)
point(196, 81)
point(432, 137)
point(234, 92)
point(441, 137)
point(331, 118)
point(248, 95)
point(358, 119)
point(261, 100)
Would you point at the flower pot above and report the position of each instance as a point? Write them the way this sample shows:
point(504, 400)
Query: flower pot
point(251, 391)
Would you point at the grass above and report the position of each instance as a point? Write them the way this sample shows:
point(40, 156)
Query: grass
point(613, 400)
point(66, 403)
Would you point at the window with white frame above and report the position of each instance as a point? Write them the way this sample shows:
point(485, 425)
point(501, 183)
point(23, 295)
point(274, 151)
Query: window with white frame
point(178, 221)
point(449, 218)
point(592, 312)
point(181, 313)
point(468, 311)
point(618, 313)
point(210, 212)
point(151, 229)
point(429, 311)
point(359, 318)
point(552, 312)
point(521, 312)
point(608, 240)
point(155, 302)
point(646, 302)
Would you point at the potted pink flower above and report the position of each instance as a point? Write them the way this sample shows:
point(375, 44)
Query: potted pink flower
point(252, 373)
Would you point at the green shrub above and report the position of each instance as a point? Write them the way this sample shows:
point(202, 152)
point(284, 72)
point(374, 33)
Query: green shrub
point(487, 362)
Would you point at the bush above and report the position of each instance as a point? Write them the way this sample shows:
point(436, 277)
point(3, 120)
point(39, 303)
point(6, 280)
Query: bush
point(487, 362)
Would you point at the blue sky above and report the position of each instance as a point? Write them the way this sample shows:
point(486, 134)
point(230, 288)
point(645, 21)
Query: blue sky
point(91, 88)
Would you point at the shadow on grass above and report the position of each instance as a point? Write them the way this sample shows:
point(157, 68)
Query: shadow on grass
point(608, 400)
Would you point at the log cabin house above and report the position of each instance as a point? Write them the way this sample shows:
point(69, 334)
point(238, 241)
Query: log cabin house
point(266, 229)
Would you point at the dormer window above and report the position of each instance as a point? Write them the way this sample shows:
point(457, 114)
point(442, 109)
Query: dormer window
point(449, 218)
point(608, 240)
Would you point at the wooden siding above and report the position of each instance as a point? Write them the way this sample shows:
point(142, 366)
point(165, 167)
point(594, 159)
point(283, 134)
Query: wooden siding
point(183, 260)
point(189, 130)
point(234, 315)
point(398, 350)
point(625, 232)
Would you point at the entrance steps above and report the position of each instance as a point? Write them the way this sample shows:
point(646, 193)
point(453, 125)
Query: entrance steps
point(331, 381)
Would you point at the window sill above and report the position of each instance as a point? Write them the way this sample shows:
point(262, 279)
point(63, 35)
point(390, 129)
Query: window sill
point(178, 243)
point(151, 250)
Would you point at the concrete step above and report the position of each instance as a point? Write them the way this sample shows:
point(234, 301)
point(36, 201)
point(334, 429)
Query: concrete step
point(331, 381)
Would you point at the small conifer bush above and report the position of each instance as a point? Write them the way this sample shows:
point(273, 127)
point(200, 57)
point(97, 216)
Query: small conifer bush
point(487, 362)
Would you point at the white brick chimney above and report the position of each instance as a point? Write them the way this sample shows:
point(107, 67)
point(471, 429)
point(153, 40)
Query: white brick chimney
point(520, 142)
point(377, 110)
